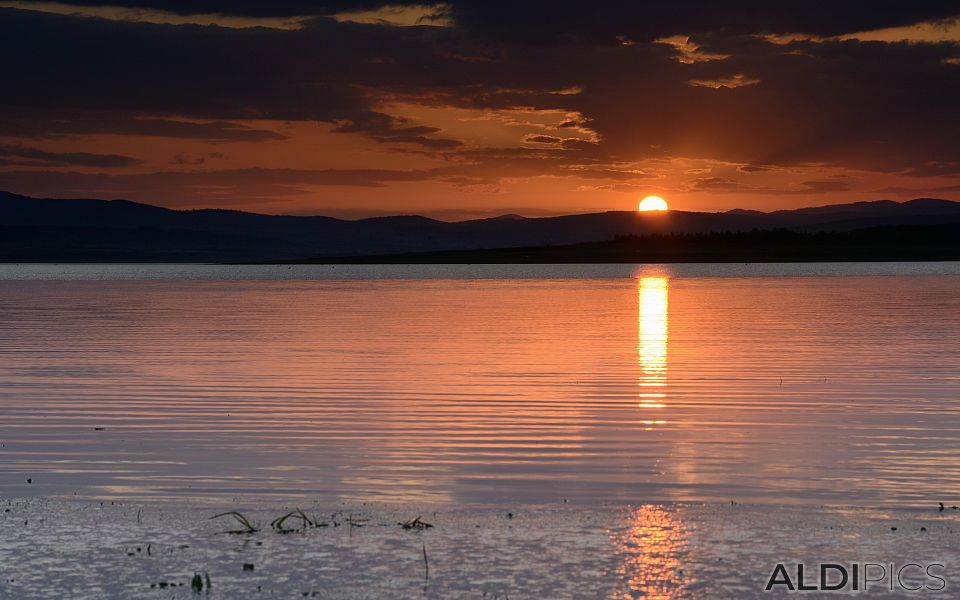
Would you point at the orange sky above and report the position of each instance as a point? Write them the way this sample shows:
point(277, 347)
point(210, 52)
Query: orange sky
point(367, 112)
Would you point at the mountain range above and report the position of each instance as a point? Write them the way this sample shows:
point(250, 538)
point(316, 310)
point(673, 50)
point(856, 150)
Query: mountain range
point(82, 230)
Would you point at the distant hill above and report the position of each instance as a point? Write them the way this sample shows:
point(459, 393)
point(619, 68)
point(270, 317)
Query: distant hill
point(889, 243)
point(45, 230)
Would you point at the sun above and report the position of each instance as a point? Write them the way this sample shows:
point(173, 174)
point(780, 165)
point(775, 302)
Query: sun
point(652, 203)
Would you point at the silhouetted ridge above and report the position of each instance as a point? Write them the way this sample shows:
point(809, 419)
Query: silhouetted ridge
point(100, 230)
point(892, 243)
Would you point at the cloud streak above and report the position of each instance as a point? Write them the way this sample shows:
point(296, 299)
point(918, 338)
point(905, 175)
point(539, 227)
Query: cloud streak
point(24, 155)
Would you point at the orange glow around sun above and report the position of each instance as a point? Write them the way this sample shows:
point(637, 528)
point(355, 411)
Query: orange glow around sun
point(652, 203)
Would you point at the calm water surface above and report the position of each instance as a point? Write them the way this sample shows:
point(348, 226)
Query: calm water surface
point(830, 383)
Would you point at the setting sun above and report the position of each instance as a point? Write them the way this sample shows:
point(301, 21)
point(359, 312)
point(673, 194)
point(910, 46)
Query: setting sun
point(652, 203)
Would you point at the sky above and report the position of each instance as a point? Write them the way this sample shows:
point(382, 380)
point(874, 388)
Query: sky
point(477, 108)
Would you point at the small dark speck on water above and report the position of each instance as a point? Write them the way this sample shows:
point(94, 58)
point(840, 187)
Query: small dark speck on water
point(247, 566)
point(29, 480)
point(98, 428)
point(893, 529)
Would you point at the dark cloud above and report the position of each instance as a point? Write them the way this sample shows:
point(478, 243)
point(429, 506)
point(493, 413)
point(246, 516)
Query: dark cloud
point(245, 8)
point(33, 123)
point(887, 107)
point(611, 22)
point(542, 139)
point(847, 103)
point(25, 156)
point(321, 73)
point(558, 21)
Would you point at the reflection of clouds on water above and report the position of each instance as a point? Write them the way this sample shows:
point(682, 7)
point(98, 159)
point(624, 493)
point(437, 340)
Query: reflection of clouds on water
point(652, 340)
point(652, 549)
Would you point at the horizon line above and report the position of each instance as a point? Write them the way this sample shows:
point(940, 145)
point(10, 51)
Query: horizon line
point(506, 215)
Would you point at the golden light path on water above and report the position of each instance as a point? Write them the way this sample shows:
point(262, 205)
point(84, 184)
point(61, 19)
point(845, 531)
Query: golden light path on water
point(654, 544)
point(653, 548)
point(652, 340)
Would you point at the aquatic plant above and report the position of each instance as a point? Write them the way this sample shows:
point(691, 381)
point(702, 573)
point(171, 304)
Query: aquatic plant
point(247, 526)
point(278, 523)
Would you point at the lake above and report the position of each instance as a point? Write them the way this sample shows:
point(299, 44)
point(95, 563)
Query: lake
point(776, 383)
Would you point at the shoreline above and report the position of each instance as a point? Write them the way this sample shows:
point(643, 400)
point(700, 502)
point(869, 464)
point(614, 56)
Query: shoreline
point(82, 549)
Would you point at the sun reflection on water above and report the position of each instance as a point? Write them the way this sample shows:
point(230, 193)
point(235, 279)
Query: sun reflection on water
point(653, 549)
point(652, 340)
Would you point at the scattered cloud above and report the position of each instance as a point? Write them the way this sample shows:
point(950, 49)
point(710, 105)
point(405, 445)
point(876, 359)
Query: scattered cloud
point(735, 81)
point(689, 52)
point(542, 139)
point(16, 154)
